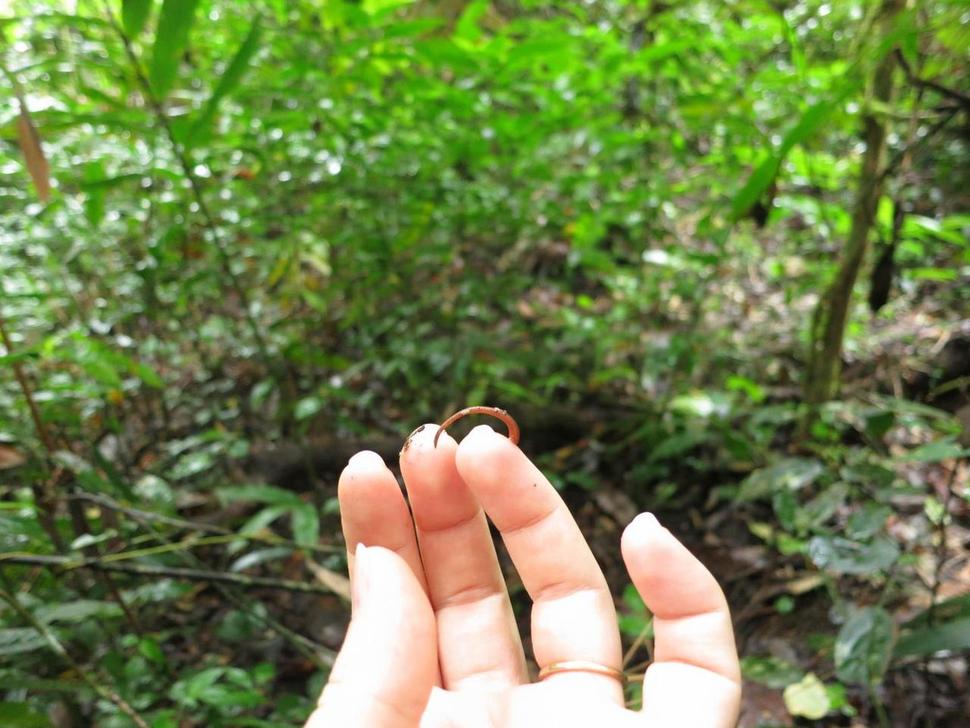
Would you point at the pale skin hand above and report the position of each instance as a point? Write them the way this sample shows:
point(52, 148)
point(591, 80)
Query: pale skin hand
point(433, 642)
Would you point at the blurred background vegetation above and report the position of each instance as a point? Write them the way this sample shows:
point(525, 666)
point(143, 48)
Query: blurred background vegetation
point(713, 255)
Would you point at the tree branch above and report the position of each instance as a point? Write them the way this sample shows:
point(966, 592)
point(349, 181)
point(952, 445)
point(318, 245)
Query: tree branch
point(253, 582)
point(946, 91)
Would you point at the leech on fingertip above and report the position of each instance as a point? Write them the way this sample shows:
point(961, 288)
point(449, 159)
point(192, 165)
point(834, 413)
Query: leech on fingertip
point(499, 414)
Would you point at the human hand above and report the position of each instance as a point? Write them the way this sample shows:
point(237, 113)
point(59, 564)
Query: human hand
point(433, 640)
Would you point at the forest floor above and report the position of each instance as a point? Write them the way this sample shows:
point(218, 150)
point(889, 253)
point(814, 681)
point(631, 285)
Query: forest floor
point(780, 604)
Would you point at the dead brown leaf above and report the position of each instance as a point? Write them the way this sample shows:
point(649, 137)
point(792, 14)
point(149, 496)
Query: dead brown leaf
point(33, 153)
point(338, 583)
point(10, 458)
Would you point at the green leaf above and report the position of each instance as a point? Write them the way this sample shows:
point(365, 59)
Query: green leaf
point(148, 375)
point(21, 715)
point(759, 181)
point(864, 646)
point(933, 452)
point(94, 198)
point(818, 510)
point(151, 650)
point(467, 28)
point(192, 464)
point(764, 174)
point(867, 521)
point(843, 556)
point(171, 38)
point(231, 77)
point(261, 494)
point(17, 640)
point(676, 445)
point(307, 407)
point(953, 636)
point(77, 611)
point(134, 15)
point(260, 556)
point(771, 671)
point(944, 611)
point(807, 698)
point(790, 473)
point(306, 525)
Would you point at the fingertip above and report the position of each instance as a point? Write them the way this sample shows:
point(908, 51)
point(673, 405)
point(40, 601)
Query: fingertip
point(366, 458)
point(362, 467)
point(639, 533)
point(480, 441)
point(424, 440)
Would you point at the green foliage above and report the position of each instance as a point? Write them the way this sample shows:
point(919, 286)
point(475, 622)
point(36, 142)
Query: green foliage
point(134, 15)
point(324, 220)
point(172, 36)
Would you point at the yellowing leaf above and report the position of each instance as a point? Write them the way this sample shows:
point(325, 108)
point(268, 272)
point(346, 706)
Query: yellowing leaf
point(807, 698)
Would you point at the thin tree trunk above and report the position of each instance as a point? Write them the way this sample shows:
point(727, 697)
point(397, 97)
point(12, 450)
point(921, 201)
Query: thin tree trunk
point(828, 322)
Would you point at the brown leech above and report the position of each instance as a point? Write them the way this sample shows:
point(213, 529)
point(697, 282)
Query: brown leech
point(499, 414)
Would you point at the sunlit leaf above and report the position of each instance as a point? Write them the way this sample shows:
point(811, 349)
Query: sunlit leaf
point(134, 15)
point(171, 38)
point(807, 698)
point(230, 79)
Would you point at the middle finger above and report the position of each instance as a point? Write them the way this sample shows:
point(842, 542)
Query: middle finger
point(478, 642)
point(573, 617)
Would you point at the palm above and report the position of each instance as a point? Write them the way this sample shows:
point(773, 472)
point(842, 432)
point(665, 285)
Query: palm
point(462, 632)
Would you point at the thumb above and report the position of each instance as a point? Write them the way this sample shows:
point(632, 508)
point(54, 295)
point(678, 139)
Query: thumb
point(385, 670)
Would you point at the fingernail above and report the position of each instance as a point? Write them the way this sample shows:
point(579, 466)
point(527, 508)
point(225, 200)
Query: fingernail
point(360, 582)
point(480, 431)
point(648, 519)
point(366, 456)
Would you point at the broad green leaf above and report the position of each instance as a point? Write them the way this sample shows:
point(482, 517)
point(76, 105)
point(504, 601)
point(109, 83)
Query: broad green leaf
point(867, 521)
point(171, 38)
point(134, 15)
point(788, 474)
point(953, 636)
point(807, 698)
point(819, 509)
point(843, 556)
point(864, 646)
point(233, 74)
